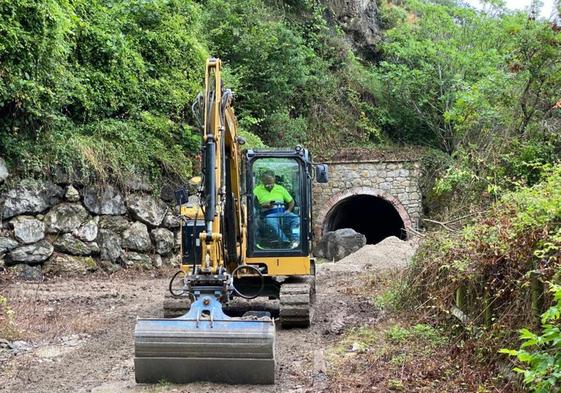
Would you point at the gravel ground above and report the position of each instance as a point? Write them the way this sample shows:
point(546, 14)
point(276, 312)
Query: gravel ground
point(78, 332)
point(390, 253)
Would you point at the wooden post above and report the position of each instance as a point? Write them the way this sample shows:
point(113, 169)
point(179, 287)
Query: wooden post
point(487, 308)
point(461, 297)
point(536, 294)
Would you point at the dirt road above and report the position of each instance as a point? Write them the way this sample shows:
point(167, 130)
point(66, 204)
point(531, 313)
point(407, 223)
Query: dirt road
point(79, 336)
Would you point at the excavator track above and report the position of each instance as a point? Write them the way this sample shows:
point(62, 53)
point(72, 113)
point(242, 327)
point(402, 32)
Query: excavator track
point(296, 303)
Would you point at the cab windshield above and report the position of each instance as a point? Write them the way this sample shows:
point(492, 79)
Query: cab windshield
point(277, 200)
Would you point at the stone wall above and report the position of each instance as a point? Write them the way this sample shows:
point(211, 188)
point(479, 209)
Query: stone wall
point(396, 181)
point(50, 228)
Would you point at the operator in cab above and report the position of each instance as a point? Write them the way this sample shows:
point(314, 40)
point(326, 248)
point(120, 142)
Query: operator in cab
point(276, 206)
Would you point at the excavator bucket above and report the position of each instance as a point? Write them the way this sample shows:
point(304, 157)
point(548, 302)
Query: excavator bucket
point(205, 345)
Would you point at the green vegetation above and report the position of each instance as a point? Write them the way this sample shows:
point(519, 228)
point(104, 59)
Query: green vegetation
point(103, 89)
point(541, 352)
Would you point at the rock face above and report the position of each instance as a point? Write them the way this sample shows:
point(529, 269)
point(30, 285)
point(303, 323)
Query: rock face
point(104, 201)
point(70, 245)
point(31, 196)
point(3, 170)
point(28, 229)
point(338, 244)
point(66, 217)
point(7, 244)
point(67, 264)
point(359, 19)
point(164, 240)
point(137, 238)
point(147, 209)
point(110, 244)
point(31, 253)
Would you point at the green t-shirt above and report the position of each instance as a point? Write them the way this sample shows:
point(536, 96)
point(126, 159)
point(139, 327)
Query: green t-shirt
point(277, 194)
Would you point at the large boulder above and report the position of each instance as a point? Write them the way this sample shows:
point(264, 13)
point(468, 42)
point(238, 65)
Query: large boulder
point(164, 240)
point(117, 224)
point(68, 264)
point(110, 245)
point(66, 217)
point(3, 170)
point(31, 196)
point(31, 253)
point(28, 229)
point(147, 209)
point(68, 244)
point(336, 245)
point(137, 238)
point(7, 244)
point(106, 200)
point(88, 231)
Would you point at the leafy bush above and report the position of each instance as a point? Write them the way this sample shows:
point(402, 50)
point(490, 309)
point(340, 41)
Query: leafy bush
point(99, 87)
point(542, 352)
point(494, 258)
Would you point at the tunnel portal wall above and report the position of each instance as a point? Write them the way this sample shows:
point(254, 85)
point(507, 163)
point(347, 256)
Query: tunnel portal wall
point(394, 181)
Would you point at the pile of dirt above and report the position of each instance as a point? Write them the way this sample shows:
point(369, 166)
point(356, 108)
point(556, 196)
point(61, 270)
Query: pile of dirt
point(390, 253)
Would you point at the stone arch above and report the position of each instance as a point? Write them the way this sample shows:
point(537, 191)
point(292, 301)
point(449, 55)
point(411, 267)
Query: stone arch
point(338, 200)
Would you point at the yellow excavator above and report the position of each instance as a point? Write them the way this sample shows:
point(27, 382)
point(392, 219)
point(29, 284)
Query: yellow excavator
point(247, 236)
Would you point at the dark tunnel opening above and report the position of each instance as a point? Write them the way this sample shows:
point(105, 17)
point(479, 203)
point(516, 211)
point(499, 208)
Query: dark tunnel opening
point(372, 216)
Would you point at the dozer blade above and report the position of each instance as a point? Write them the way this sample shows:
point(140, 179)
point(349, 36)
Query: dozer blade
point(205, 345)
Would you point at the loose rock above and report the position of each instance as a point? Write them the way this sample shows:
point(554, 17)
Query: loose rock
point(104, 201)
point(28, 229)
point(66, 217)
point(31, 196)
point(164, 240)
point(137, 238)
point(336, 245)
point(31, 253)
point(157, 261)
point(147, 209)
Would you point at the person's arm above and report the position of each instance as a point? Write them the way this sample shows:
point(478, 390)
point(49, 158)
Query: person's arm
point(288, 200)
point(290, 206)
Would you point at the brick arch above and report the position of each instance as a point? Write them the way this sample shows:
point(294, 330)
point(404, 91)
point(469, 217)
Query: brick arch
point(329, 207)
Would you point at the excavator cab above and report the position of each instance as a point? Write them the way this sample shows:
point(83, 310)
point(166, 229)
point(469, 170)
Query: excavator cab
point(279, 219)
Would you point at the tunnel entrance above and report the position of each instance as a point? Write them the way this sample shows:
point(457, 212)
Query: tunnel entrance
point(373, 216)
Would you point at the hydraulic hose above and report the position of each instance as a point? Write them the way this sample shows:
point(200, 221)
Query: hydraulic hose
point(261, 287)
